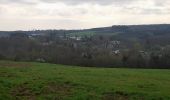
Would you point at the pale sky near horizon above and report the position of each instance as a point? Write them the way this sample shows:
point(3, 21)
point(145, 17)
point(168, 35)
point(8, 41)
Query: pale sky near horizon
point(80, 14)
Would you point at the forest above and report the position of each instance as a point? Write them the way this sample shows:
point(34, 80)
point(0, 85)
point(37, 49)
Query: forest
point(127, 46)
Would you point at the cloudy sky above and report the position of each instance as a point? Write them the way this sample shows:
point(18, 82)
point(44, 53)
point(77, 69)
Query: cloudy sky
point(79, 14)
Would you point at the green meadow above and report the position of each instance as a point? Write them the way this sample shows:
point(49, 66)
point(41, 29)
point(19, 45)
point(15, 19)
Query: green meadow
point(81, 34)
point(43, 81)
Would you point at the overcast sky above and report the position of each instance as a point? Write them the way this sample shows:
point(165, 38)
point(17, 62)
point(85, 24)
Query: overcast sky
point(79, 14)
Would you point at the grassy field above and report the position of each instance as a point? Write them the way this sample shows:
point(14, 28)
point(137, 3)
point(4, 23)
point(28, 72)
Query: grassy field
point(81, 34)
point(38, 81)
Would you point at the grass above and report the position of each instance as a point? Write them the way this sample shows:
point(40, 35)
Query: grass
point(42, 81)
point(81, 34)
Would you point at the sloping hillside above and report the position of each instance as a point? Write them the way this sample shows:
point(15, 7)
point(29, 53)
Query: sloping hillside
point(42, 81)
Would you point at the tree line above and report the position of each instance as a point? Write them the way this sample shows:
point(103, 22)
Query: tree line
point(94, 51)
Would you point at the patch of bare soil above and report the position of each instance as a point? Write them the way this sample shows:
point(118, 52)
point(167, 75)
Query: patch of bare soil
point(13, 64)
point(60, 89)
point(22, 91)
point(118, 95)
point(8, 75)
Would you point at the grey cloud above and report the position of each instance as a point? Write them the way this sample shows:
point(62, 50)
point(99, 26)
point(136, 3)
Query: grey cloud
point(101, 2)
point(146, 11)
point(79, 2)
point(18, 2)
point(149, 11)
point(155, 11)
point(161, 3)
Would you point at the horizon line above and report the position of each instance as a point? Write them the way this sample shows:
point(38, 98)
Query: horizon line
point(84, 28)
